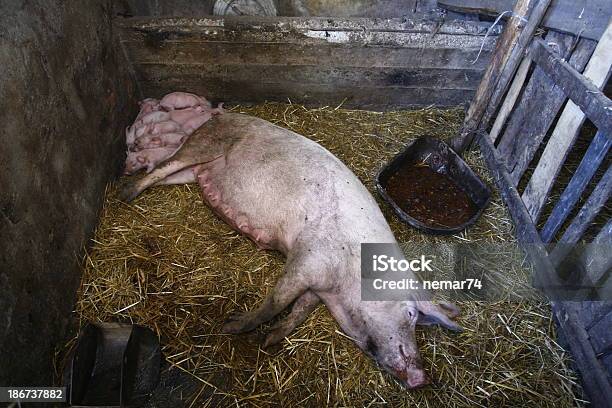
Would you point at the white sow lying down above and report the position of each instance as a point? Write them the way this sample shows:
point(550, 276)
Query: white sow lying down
point(288, 193)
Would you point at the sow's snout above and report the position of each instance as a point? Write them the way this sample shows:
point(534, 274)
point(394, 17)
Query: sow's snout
point(414, 378)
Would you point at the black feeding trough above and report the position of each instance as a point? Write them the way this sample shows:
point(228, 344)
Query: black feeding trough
point(432, 189)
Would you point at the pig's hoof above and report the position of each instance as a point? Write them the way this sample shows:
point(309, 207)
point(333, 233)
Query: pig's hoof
point(127, 194)
point(238, 323)
point(275, 336)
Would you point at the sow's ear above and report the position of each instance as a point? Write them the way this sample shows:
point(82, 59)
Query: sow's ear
point(430, 313)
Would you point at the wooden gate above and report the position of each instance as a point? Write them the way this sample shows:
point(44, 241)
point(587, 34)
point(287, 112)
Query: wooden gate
point(528, 112)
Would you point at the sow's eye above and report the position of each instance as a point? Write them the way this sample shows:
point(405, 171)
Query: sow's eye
point(371, 347)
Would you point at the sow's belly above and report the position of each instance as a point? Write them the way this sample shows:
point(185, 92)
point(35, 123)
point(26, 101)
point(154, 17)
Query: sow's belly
point(275, 203)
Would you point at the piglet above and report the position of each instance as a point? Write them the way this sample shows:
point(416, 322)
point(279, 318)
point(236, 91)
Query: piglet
point(181, 100)
point(191, 119)
point(150, 141)
point(153, 117)
point(157, 128)
point(130, 135)
point(147, 106)
point(181, 116)
point(148, 158)
point(166, 126)
point(195, 122)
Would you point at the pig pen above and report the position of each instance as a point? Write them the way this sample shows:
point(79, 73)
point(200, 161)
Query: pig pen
point(167, 262)
point(72, 72)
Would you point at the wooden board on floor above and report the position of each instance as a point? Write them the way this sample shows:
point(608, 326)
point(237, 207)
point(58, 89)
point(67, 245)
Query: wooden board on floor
point(369, 98)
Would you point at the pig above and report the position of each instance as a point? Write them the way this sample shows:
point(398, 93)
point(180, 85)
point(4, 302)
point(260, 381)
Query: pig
point(288, 193)
point(166, 126)
point(152, 118)
point(130, 135)
point(181, 100)
point(147, 106)
point(148, 159)
point(183, 115)
point(136, 131)
point(190, 125)
point(149, 141)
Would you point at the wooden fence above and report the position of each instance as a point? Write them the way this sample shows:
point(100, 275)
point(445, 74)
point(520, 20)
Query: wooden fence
point(527, 115)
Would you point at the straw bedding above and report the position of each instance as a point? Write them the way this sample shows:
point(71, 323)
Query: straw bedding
point(167, 262)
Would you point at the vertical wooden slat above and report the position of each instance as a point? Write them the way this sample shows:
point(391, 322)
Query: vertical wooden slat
point(583, 220)
point(593, 157)
point(510, 100)
point(541, 101)
point(566, 131)
point(507, 56)
point(517, 55)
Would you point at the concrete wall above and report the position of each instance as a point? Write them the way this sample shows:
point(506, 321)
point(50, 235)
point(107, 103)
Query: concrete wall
point(64, 99)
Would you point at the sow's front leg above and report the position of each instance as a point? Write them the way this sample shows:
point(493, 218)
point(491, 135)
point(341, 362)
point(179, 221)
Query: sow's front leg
point(208, 143)
point(300, 310)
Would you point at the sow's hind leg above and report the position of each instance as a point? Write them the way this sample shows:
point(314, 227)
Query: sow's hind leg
point(169, 167)
point(294, 284)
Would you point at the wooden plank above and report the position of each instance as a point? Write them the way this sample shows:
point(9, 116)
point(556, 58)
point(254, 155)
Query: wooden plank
point(516, 55)
point(325, 55)
point(158, 32)
point(583, 92)
point(540, 103)
point(157, 40)
point(307, 60)
point(604, 291)
point(595, 380)
point(601, 335)
point(583, 220)
point(545, 277)
point(597, 260)
point(566, 132)
point(546, 98)
point(591, 312)
point(179, 26)
point(508, 53)
point(589, 164)
point(371, 98)
point(586, 18)
point(594, 377)
point(510, 100)
point(307, 74)
point(606, 361)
